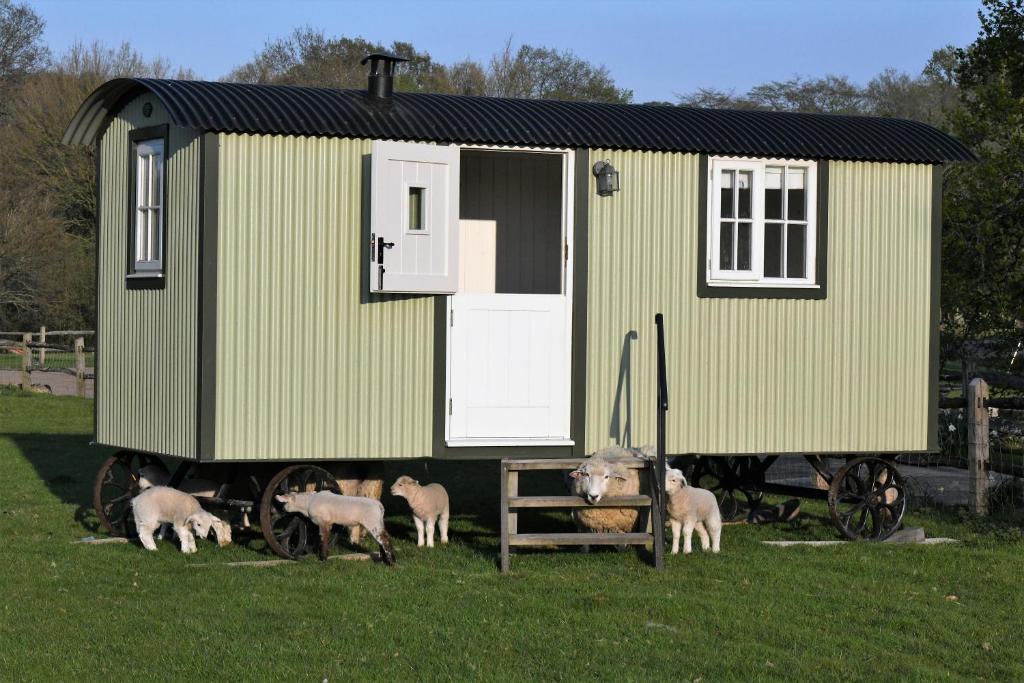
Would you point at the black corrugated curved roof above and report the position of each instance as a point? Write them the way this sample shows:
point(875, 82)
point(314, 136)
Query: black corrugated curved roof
point(292, 110)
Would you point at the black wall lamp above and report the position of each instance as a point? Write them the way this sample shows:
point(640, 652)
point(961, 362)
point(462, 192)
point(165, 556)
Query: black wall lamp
point(607, 178)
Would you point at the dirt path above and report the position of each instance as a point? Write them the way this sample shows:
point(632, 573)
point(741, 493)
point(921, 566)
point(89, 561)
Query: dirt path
point(60, 383)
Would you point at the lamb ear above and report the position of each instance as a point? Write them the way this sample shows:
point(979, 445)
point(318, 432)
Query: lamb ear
point(575, 474)
point(280, 499)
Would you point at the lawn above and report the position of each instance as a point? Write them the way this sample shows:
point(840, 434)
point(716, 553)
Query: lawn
point(114, 612)
point(54, 360)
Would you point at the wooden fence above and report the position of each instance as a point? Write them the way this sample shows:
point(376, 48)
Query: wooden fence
point(32, 348)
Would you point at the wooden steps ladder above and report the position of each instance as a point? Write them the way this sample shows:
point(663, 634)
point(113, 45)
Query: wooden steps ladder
point(512, 502)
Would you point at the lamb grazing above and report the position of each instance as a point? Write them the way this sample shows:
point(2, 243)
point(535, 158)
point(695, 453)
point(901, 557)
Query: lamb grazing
point(599, 477)
point(429, 505)
point(163, 505)
point(691, 508)
point(326, 509)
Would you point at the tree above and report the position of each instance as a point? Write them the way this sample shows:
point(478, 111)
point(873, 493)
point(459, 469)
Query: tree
point(829, 94)
point(21, 48)
point(983, 229)
point(539, 72)
point(49, 187)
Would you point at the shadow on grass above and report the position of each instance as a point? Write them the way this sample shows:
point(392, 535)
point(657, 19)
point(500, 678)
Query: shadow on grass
point(67, 465)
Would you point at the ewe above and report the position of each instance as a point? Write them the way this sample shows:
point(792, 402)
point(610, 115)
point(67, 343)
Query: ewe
point(429, 505)
point(326, 509)
point(599, 477)
point(691, 508)
point(162, 505)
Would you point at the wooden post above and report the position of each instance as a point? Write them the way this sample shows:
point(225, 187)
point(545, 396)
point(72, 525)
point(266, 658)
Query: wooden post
point(977, 445)
point(26, 362)
point(42, 350)
point(505, 477)
point(80, 364)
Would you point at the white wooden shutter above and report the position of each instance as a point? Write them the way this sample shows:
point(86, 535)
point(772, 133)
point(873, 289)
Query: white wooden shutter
point(414, 218)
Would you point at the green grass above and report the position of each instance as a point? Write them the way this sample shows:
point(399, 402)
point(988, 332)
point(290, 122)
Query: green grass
point(754, 612)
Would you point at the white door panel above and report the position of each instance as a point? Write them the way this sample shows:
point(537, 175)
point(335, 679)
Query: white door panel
point(509, 360)
point(414, 218)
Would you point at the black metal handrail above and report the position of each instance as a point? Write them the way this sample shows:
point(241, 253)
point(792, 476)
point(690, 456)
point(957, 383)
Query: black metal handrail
point(658, 487)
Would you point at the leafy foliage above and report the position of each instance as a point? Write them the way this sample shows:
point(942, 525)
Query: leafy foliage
point(983, 234)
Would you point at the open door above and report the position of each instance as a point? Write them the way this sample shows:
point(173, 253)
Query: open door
point(414, 218)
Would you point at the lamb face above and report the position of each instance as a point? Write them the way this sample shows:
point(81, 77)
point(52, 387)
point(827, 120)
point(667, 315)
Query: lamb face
point(402, 485)
point(674, 480)
point(288, 501)
point(593, 479)
point(201, 522)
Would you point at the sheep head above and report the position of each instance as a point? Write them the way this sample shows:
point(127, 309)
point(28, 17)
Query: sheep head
point(201, 522)
point(402, 486)
point(593, 477)
point(287, 500)
point(674, 480)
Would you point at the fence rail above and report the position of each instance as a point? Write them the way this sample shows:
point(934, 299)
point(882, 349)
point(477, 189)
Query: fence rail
point(28, 352)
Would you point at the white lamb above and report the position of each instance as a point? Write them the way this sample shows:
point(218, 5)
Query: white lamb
point(162, 505)
point(691, 508)
point(326, 509)
point(429, 506)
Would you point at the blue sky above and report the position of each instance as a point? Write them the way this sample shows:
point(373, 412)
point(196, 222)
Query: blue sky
point(656, 48)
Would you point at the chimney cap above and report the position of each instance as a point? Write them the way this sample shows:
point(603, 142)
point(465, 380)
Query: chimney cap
point(389, 61)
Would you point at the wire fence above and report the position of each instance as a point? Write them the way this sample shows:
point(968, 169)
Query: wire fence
point(58, 361)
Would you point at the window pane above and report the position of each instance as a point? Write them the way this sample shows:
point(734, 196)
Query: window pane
point(156, 177)
point(773, 193)
point(416, 208)
point(725, 246)
point(142, 186)
point(773, 250)
point(727, 194)
point(150, 234)
point(155, 227)
point(743, 247)
point(796, 194)
point(796, 249)
point(140, 235)
point(743, 183)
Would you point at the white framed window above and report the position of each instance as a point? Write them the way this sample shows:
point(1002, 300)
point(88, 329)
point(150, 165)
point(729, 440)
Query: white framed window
point(761, 223)
point(148, 214)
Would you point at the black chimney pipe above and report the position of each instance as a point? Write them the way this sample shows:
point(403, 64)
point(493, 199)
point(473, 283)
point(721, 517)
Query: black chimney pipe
point(381, 81)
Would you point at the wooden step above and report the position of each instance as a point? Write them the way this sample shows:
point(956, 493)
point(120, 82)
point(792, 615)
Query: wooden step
point(580, 539)
point(565, 463)
point(577, 502)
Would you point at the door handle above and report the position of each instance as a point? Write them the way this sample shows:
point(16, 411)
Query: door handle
point(381, 246)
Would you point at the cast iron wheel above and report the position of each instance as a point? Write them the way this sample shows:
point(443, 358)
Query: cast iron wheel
point(116, 484)
point(289, 534)
point(867, 499)
point(728, 479)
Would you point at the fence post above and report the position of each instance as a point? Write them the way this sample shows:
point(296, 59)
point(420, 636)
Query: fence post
point(977, 445)
point(42, 349)
point(80, 364)
point(26, 362)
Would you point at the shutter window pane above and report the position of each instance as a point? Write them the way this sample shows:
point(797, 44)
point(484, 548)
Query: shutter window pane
point(773, 193)
point(796, 249)
point(743, 184)
point(773, 250)
point(727, 194)
point(743, 247)
point(725, 246)
point(796, 195)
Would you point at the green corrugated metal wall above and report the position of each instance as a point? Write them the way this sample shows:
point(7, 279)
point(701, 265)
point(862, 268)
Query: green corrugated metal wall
point(304, 369)
point(849, 373)
point(146, 391)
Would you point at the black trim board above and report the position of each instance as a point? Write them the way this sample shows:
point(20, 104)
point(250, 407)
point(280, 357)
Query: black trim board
point(578, 381)
point(96, 292)
point(705, 291)
point(936, 292)
point(138, 281)
point(206, 352)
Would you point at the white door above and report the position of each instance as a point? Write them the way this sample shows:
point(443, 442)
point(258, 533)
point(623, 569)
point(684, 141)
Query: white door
point(509, 354)
point(414, 218)
point(509, 362)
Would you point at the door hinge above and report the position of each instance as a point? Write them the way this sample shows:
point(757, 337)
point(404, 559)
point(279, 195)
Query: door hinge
point(566, 252)
point(449, 406)
point(451, 322)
